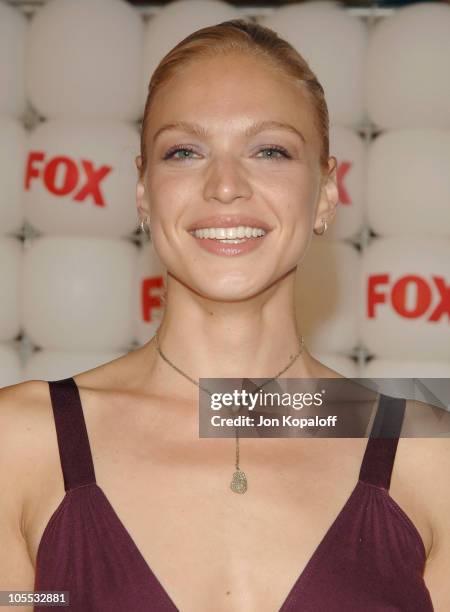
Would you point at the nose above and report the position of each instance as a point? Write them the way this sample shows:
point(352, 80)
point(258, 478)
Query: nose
point(226, 180)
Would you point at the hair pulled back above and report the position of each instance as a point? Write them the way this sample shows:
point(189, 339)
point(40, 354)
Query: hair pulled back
point(248, 37)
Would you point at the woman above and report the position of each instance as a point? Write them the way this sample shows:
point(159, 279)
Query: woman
point(235, 133)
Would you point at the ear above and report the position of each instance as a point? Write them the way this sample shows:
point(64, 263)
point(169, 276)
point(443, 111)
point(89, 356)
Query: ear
point(329, 195)
point(142, 204)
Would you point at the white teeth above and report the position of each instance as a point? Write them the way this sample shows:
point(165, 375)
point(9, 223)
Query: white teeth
point(237, 241)
point(229, 233)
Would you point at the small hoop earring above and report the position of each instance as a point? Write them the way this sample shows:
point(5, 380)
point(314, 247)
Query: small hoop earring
point(324, 228)
point(145, 227)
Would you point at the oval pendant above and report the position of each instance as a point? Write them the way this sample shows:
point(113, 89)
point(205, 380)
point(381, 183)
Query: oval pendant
point(239, 482)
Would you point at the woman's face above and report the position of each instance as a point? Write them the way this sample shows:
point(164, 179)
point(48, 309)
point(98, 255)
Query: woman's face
point(229, 138)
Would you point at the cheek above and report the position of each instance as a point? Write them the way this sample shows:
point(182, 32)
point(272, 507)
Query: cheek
point(292, 196)
point(171, 193)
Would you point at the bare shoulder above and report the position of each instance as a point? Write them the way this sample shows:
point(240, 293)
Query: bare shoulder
point(24, 437)
point(23, 414)
point(25, 432)
point(423, 465)
point(30, 467)
point(10, 395)
point(26, 419)
point(432, 460)
point(25, 408)
point(121, 374)
point(423, 458)
point(427, 450)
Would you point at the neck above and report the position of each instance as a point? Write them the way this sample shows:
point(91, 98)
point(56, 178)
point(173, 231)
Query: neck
point(254, 338)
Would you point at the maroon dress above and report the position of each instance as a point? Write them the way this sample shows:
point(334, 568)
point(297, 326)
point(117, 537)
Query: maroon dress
point(371, 559)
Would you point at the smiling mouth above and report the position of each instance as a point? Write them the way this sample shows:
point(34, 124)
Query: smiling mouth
point(229, 241)
point(229, 235)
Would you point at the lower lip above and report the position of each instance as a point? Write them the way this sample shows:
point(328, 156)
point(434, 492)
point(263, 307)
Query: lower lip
point(230, 250)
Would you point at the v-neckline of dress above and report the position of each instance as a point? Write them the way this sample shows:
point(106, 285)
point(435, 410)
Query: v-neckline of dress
point(298, 583)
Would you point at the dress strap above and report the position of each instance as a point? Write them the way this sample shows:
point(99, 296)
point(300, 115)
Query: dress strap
point(378, 460)
point(73, 442)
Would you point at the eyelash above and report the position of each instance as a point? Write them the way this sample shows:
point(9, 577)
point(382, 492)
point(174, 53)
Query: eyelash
point(170, 153)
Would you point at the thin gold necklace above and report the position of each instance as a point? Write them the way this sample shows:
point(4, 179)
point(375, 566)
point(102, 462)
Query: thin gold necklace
point(239, 481)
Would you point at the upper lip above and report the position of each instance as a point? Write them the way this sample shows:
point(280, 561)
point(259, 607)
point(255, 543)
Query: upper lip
point(229, 221)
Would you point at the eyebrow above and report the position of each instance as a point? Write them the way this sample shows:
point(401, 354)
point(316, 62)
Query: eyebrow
point(251, 130)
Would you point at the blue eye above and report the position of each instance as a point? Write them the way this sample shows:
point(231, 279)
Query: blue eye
point(280, 150)
point(177, 149)
point(280, 153)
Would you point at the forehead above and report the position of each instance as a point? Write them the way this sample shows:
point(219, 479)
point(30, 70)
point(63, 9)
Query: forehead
point(225, 90)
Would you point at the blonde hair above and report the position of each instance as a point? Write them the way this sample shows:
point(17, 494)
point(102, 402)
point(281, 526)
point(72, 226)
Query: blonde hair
point(241, 36)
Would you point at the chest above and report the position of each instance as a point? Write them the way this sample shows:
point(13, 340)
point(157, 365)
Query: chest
point(244, 552)
point(174, 509)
